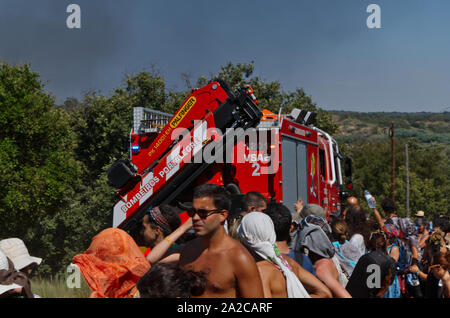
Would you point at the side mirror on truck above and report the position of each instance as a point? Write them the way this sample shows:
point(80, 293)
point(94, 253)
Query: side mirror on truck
point(348, 172)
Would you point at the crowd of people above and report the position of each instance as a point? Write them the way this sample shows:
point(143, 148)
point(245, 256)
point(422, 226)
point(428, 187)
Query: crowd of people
point(258, 249)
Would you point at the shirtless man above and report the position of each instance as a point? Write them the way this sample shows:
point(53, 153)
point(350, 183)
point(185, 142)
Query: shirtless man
point(423, 234)
point(326, 271)
point(322, 254)
point(231, 270)
point(282, 221)
point(273, 280)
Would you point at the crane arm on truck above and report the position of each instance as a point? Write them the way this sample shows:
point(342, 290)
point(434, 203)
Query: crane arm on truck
point(163, 167)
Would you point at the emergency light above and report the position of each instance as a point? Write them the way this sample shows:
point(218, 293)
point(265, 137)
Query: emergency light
point(135, 148)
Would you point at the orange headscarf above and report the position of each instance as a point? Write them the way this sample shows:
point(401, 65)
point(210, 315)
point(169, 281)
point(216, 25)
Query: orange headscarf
point(112, 264)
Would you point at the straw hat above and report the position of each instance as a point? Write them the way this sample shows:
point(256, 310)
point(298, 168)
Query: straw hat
point(17, 252)
point(420, 213)
point(4, 265)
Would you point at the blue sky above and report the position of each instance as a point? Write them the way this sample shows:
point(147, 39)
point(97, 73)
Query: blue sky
point(322, 46)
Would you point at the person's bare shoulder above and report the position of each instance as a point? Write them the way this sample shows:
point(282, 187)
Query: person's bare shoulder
point(291, 261)
point(246, 273)
point(266, 265)
point(269, 269)
point(325, 265)
point(295, 266)
point(240, 255)
point(241, 259)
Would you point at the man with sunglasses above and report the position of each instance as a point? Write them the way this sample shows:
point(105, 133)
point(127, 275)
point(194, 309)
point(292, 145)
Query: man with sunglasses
point(231, 270)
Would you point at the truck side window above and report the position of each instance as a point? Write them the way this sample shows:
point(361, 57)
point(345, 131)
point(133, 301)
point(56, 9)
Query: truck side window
point(322, 163)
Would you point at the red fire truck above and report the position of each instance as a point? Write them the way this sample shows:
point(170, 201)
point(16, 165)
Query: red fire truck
point(222, 137)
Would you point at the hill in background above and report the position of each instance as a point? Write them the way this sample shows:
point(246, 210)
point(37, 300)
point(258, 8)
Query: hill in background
point(426, 127)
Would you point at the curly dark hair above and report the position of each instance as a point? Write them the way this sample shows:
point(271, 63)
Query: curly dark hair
point(378, 242)
point(168, 280)
point(357, 222)
point(388, 206)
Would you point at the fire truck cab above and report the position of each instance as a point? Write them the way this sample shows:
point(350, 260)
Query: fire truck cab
point(308, 159)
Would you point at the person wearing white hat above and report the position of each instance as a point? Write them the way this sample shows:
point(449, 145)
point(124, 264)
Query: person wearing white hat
point(17, 252)
point(420, 214)
point(6, 288)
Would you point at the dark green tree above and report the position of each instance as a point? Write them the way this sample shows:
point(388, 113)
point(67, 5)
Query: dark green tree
point(39, 174)
point(429, 172)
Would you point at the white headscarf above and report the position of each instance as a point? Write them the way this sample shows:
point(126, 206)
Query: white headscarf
point(258, 233)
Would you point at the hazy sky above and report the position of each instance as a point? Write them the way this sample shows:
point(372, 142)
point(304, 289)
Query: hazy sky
point(322, 46)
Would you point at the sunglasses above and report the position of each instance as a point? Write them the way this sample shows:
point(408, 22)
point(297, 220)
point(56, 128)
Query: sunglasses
point(202, 213)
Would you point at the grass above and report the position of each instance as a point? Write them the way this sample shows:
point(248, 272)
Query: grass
point(56, 287)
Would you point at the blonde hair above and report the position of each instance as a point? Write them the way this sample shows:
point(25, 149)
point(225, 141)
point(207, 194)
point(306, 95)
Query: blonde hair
point(339, 231)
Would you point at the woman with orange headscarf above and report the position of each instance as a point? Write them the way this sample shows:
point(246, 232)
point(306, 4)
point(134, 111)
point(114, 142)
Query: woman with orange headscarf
point(112, 265)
